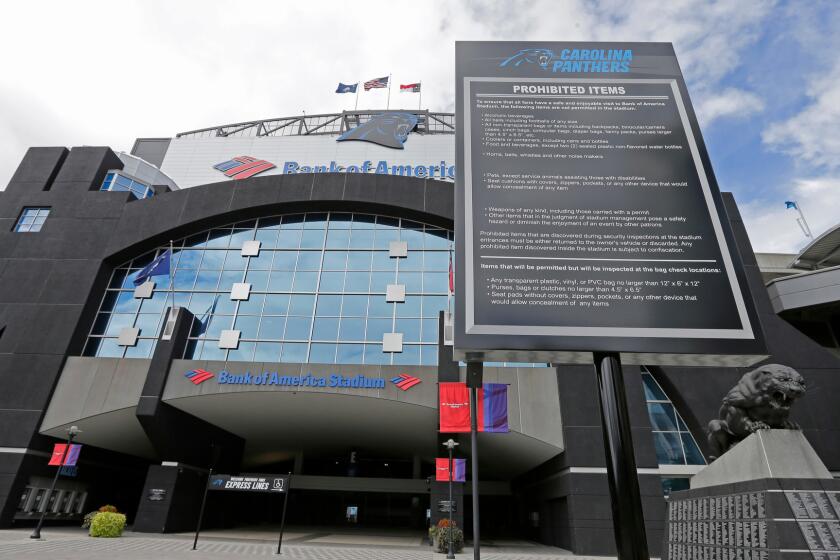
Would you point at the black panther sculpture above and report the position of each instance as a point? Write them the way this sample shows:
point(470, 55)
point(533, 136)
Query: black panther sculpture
point(761, 400)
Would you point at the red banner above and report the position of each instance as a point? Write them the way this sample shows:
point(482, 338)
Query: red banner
point(70, 457)
point(454, 406)
point(442, 470)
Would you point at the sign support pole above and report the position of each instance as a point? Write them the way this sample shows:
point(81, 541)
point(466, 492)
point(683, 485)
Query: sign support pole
point(283, 515)
point(628, 517)
point(475, 375)
point(36, 533)
point(201, 512)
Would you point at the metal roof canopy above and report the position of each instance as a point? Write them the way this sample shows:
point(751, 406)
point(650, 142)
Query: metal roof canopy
point(822, 252)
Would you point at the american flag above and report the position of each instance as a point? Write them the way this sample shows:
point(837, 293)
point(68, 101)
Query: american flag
point(242, 167)
point(377, 83)
point(410, 88)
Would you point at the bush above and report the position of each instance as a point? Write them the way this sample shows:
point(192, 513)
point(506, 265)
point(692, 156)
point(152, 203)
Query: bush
point(445, 534)
point(107, 524)
point(108, 509)
point(88, 518)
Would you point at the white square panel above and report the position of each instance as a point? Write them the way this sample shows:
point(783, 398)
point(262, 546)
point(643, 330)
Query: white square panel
point(240, 291)
point(144, 290)
point(251, 249)
point(395, 292)
point(128, 336)
point(398, 249)
point(229, 339)
point(392, 342)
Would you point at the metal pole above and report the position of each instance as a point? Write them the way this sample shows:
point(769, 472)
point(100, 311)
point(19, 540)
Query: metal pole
point(283, 515)
point(420, 100)
point(356, 108)
point(388, 104)
point(628, 517)
point(36, 533)
point(474, 445)
point(201, 512)
point(450, 550)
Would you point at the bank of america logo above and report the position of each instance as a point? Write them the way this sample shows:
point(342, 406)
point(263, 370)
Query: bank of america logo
point(198, 376)
point(405, 381)
point(242, 167)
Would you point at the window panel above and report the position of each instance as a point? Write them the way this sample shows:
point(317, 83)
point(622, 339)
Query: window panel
point(321, 353)
point(276, 304)
point(358, 260)
point(340, 220)
point(234, 260)
point(258, 280)
point(280, 281)
point(413, 281)
point(338, 239)
point(261, 262)
point(436, 282)
point(384, 238)
point(216, 324)
point(148, 324)
point(309, 260)
point(219, 238)
point(652, 389)
point(361, 239)
point(229, 278)
point(354, 306)
point(126, 303)
point(693, 456)
point(248, 325)
point(267, 238)
point(412, 261)
point(240, 236)
point(312, 239)
point(271, 327)
point(305, 281)
point(100, 324)
point(284, 260)
point(378, 307)
point(328, 306)
point(325, 328)
point(332, 282)
point(410, 307)
point(294, 352)
point(352, 329)
point(252, 306)
point(413, 238)
point(207, 279)
point(410, 328)
point(211, 351)
point(185, 279)
point(350, 354)
point(376, 328)
point(297, 328)
point(363, 221)
point(244, 353)
point(301, 305)
point(436, 260)
point(375, 355)
point(267, 352)
point(109, 348)
point(436, 239)
point(289, 239)
point(292, 221)
point(409, 355)
point(335, 260)
point(380, 280)
point(118, 322)
point(429, 355)
point(140, 350)
point(668, 448)
point(357, 282)
point(433, 305)
point(382, 261)
point(662, 416)
point(212, 259)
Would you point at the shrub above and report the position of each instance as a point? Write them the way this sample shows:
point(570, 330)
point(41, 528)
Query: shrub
point(444, 535)
point(88, 518)
point(107, 524)
point(108, 509)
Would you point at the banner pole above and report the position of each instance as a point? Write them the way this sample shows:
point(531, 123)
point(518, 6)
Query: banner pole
point(36, 533)
point(388, 103)
point(475, 374)
point(283, 515)
point(201, 511)
point(628, 517)
point(356, 108)
point(450, 549)
point(420, 101)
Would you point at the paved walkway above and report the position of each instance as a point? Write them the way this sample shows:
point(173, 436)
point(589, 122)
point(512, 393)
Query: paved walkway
point(74, 544)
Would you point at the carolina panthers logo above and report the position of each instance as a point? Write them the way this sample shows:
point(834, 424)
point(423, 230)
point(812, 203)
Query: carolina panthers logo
point(387, 129)
point(543, 57)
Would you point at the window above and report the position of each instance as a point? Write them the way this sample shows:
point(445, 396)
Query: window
point(117, 182)
point(674, 443)
point(32, 219)
point(318, 288)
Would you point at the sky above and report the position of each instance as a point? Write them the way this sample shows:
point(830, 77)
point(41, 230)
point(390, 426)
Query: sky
point(764, 76)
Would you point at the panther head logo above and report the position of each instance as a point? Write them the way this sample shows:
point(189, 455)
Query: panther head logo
point(542, 57)
point(386, 129)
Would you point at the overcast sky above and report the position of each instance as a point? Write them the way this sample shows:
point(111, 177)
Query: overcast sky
point(763, 76)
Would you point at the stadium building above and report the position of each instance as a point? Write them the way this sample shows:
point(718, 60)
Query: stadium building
point(300, 330)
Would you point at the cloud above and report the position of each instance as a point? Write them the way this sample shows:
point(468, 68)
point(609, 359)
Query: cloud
point(773, 229)
point(730, 102)
point(812, 136)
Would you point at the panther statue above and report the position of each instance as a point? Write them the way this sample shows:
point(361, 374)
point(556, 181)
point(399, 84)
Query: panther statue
point(761, 400)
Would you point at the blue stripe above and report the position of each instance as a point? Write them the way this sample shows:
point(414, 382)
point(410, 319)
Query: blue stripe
point(495, 407)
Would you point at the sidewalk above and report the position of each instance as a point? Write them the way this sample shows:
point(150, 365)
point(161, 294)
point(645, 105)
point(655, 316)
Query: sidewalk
point(73, 544)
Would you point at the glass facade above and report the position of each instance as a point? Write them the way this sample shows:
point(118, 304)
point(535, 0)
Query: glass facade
point(117, 182)
point(31, 220)
point(317, 292)
point(671, 437)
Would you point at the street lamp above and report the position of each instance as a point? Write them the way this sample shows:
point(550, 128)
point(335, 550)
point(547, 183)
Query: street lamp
point(450, 551)
point(72, 432)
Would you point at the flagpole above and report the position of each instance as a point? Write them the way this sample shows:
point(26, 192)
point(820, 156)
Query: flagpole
point(420, 102)
point(171, 275)
point(388, 103)
point(806, 228)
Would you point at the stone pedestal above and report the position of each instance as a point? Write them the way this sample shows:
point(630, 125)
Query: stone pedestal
point(768, 498)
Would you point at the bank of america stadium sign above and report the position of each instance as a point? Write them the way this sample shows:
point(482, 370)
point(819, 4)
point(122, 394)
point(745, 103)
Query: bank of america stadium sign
point(274, 378)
